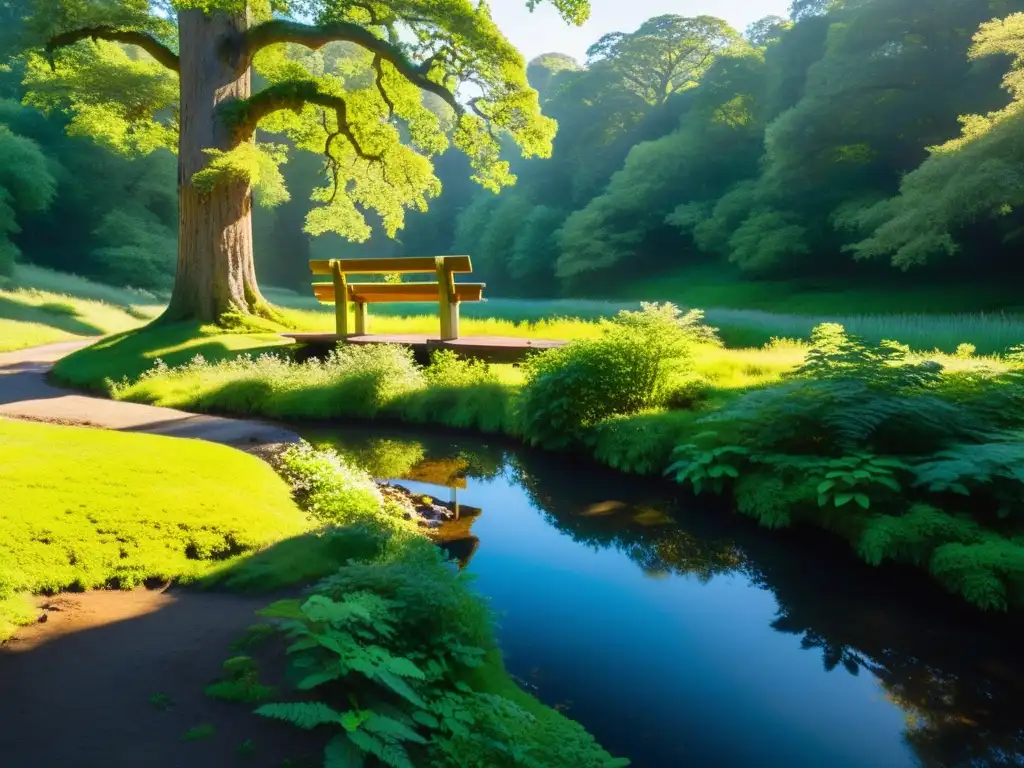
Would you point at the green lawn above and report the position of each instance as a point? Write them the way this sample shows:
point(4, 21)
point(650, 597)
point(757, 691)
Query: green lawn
point(82, 508)
point(41, 307)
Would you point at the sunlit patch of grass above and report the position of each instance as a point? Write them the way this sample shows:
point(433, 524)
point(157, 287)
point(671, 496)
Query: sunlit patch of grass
point(16, 611)
point(127, 508)
point(743, 368)
point(555, 327)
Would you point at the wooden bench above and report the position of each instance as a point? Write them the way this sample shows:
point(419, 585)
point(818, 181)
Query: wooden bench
point(445, 291)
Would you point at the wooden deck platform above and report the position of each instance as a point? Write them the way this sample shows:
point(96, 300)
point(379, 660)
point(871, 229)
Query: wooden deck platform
point(491, 349)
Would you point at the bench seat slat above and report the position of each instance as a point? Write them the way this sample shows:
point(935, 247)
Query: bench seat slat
point(379, 293)
point(398, 264)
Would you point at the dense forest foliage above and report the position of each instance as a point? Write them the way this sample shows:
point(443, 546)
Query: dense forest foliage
point(71, 205)
point(866, 138)
point(856, 138)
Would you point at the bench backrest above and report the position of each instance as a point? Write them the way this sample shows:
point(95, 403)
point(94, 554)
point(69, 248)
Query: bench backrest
point(396, 265)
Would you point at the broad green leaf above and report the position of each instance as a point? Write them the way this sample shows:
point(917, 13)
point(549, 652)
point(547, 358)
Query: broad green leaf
point(402, 688)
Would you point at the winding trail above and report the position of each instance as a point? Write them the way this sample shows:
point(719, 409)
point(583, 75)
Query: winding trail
point(78, 686)
point(25, 393)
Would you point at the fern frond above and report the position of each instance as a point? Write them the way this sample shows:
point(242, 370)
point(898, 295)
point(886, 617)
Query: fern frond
point(389, 727)
point(962, 465)
point(982, 572)
point(914, 536)
point(303, 714)
point(388, 752)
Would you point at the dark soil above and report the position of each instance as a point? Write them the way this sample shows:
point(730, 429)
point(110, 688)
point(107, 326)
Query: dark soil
point(116, 679)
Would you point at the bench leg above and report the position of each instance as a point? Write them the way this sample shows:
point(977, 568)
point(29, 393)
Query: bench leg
point(446, 302)
point(340, 301)
point(453, 322)
point(360, 318)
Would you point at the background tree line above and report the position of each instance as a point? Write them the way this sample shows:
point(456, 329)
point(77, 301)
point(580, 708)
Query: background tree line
point(854, 140)
point(857, 139)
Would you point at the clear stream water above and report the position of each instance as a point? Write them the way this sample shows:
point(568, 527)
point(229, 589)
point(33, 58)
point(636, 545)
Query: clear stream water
point(680, 634)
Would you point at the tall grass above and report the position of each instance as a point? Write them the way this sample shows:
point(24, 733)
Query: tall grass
point(989, 333)
point(40, 279)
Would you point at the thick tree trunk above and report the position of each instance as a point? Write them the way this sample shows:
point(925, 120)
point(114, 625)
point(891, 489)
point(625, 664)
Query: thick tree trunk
point(215, 261)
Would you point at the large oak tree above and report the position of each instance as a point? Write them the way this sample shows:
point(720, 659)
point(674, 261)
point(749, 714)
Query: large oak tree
point(138, 75)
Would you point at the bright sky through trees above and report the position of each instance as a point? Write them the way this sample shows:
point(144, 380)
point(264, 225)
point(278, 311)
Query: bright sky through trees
point(543, 31)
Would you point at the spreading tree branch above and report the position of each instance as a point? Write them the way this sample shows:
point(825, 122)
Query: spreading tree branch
point(378, 65)
point(244, 116)
point(146, 42)
point(315, 37)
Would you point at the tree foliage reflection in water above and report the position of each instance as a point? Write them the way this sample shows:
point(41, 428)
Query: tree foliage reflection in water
point(956, 675)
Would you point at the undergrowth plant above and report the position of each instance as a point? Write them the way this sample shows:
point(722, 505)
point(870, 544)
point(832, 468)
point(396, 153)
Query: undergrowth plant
point(865, 441)
point(460, 393)
point(626, 370)
point(397, 656)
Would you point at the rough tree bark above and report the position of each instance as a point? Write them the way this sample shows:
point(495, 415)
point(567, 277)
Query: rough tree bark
point(216, 273)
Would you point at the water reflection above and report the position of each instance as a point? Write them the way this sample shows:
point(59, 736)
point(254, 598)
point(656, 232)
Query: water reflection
point(669, 631)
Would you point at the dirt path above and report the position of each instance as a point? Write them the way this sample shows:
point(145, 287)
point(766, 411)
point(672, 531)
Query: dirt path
point(26, 394)
point(77, 687)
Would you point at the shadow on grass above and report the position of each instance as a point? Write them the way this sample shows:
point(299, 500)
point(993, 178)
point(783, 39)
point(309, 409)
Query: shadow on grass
point(130, 354)
point(29, 313)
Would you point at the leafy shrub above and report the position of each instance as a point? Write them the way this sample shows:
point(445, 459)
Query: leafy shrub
point(856, 478)
point(463, 394)
point(504, 735)
point(769, 499)
point(641, 444)
point(447, 369)
point(329, 488)
point(438, 612)
point(355, 380)
point(713, 467)
point(687, 394)
point(913, 537)
point(849, 398)
point(835, 355)
point(627, 369)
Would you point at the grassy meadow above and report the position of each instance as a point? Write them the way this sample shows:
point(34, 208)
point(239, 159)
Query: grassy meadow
point(990, 332)
point(39, 306)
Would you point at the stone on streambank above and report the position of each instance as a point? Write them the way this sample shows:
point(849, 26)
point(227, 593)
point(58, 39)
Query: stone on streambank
point(426, 510)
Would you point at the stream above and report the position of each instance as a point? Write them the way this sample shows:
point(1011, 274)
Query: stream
point(681, 634)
